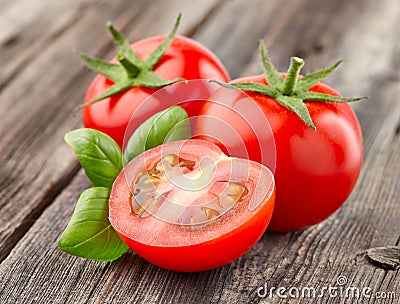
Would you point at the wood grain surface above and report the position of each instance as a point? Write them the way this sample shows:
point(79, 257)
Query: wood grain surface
point(40, 179)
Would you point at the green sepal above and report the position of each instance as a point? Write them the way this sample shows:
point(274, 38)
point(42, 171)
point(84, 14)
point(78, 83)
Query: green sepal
point(151, 61)
point(271, 74)
point(297, 106)
point(313, 96)
point(110, 70)
point(110, 92)
point(147, 79)
point(150, 80)
point(292, 91)
point(130, 71)
point(313, 78)
point(258, 88)
point(124, 47)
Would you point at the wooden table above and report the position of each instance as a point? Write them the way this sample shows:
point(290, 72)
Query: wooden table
point(41, 83)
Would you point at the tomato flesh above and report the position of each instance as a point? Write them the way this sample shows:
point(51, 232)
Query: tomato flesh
point(185, 206)
point(185, 58)
point(315, 170)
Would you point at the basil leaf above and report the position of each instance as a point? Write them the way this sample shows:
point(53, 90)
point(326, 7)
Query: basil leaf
point(89, 233)
point(99, 155)
point(169, 125)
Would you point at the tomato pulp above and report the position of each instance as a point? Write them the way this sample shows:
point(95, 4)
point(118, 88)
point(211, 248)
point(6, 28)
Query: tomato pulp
point(184, 58)
point(185, 206)
point(315, 170)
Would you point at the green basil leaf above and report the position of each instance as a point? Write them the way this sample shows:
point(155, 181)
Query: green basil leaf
point(89, 233)
point(99, 155)
point(169, 125)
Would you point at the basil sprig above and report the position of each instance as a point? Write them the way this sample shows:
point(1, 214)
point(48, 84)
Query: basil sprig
point(89, 233)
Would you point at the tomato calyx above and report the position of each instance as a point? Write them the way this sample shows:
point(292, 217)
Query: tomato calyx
point(130, 71)
point(292, 91)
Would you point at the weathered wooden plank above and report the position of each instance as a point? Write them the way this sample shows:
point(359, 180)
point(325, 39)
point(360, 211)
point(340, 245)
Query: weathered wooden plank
point(314, 257)
point(310, 30)
point(155, 21)
point(26, 42)
point(16, 14)
point(233, 31)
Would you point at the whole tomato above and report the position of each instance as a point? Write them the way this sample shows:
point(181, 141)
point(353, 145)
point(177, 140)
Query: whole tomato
point(137, 72)
point(317, 137)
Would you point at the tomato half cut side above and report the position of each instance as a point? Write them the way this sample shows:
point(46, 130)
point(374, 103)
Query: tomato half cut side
point(186, 206)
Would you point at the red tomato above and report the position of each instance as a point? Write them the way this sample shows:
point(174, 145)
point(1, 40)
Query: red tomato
point(315, 170)
point(186, 206)
point(184, 58)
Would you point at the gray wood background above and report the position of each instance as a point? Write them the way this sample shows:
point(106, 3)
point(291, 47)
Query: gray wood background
point(40, 179)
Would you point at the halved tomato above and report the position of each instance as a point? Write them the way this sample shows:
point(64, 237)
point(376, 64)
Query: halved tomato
point(186, 206)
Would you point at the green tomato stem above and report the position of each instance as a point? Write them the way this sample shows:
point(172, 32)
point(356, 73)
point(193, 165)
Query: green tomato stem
point(293, 73)
point(130, 69)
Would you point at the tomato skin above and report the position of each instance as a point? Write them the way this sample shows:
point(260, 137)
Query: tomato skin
point(185, 58)
point(182, 249)
point(209, 255)
point(315, 170)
